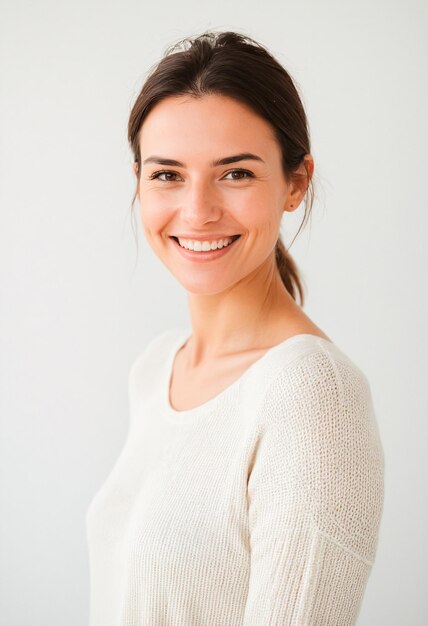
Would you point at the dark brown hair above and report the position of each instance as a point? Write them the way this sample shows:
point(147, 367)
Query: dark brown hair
point(234, 65)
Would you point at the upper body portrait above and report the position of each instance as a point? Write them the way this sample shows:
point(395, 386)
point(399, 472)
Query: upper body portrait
point(250, 488)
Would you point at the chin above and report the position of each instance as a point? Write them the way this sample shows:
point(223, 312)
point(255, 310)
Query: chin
point(204, 286)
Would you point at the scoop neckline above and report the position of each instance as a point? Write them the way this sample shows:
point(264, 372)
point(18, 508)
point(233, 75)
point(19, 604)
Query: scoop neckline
point(206, 407)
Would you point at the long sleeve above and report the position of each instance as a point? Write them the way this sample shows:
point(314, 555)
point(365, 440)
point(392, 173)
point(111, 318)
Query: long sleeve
point(315, 496)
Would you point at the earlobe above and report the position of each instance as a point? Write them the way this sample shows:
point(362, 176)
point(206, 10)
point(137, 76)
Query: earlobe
point(294, 199)
point(291, 206)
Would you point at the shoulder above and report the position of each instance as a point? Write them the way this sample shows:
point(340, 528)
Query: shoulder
point(317, 423)
point(304, 377)
point(154, 353)
point(316, 379)
point(321, 402)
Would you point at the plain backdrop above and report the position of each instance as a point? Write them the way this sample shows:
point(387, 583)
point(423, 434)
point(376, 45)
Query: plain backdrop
point(80, 300)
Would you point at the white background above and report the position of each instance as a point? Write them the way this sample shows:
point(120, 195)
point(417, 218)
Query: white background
point(79, 303)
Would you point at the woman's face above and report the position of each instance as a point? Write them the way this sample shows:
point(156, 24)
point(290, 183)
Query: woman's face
point(184, 193)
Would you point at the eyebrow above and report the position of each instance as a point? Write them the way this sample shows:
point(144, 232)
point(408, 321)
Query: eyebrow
point(245, 156)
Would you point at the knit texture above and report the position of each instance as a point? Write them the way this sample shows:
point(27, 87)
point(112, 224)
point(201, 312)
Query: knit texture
point(261, 507)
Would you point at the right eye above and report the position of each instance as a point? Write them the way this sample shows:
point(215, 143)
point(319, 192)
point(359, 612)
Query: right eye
point(168, 173)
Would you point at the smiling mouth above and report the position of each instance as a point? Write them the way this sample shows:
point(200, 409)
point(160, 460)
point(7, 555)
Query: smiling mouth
point(233, 237)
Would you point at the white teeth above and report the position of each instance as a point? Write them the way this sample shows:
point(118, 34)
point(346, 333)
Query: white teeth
point(204, 246)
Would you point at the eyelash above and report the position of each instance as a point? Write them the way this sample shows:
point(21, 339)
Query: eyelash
point(156, 175)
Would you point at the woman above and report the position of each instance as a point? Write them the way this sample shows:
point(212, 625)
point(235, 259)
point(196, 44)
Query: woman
point(250, 488)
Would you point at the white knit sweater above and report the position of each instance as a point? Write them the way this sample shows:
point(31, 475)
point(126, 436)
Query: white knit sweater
point(260, 507)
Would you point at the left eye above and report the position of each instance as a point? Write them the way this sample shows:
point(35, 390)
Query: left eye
point(164, 173)
point(241, 172)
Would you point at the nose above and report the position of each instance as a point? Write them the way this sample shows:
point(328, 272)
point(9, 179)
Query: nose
point(200, 202)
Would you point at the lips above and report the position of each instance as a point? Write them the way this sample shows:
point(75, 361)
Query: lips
point(203, 256)
point(210, 238)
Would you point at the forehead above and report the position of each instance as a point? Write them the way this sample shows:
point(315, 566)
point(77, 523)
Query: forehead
point(211, 121)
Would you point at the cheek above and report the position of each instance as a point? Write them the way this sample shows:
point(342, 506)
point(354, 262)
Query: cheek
point(262, 220)
point(154, 217)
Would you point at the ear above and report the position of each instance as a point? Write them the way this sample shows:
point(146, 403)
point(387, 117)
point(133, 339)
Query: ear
point(135, 168)
point(299, 183)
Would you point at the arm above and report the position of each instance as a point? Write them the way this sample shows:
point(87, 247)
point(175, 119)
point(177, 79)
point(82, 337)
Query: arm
point(315, 497)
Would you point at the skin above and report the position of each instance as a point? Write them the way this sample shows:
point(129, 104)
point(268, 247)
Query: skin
point(238, 304)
